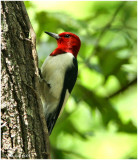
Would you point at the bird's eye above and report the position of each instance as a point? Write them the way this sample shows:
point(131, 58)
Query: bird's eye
point(67, 35)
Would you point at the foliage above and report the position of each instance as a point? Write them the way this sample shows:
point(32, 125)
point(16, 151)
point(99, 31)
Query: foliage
point(99, 120)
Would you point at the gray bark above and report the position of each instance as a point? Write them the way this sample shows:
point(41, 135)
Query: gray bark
point(22, 129)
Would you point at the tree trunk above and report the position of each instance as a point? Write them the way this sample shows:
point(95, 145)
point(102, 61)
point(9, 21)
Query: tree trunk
point(24, 132)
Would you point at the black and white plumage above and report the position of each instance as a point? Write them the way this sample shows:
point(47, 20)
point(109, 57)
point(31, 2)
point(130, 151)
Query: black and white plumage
point(59, 73)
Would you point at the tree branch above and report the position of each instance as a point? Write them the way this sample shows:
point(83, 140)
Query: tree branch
point(103, 31)
point(124, 88)
point(35, 57)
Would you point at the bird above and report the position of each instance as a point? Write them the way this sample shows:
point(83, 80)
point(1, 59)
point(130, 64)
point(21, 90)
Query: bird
point(58, 76)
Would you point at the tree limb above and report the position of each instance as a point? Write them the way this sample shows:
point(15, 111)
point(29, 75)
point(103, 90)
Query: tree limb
point(35, 57)
point(103, 31)
point(124, 88)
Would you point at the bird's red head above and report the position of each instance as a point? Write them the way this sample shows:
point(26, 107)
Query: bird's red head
point(67, 42)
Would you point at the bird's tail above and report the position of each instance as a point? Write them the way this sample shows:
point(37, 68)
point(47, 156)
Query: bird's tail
point(53, 116)
point(51, 120)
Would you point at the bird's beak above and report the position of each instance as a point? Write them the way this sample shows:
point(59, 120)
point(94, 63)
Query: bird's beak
point(54, 35)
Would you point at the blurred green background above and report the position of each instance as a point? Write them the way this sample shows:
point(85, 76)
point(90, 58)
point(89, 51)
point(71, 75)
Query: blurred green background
point(100, 118)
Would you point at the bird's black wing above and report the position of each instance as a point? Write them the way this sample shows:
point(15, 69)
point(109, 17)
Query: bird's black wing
point(69, 82)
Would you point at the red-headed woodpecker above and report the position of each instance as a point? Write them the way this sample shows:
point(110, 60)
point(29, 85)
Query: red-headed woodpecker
point(59, 73)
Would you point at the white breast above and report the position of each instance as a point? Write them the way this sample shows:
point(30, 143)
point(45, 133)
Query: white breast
point(53, 71)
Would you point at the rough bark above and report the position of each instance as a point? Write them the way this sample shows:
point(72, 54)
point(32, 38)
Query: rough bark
point(23, 130)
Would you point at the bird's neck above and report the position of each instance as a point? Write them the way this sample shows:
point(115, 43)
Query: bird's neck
point(62, 50)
